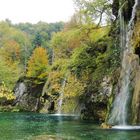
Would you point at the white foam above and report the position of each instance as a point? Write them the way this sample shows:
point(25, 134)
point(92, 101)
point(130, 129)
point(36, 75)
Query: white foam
point(73, 115)
point(126, 127)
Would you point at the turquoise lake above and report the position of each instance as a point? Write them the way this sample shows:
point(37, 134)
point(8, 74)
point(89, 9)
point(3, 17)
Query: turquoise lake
point(33, 126)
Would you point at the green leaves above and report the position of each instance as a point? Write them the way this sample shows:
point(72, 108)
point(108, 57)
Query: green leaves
point(9, 73)
point(94, 11)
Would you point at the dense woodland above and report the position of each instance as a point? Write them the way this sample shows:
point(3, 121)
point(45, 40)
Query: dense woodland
point(79, 58)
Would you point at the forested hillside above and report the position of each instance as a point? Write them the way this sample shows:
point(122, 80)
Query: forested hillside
point(72, 80)
point(16, 47)
point(65, 67)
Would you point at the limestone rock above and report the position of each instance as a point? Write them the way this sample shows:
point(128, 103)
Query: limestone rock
point(28, 92)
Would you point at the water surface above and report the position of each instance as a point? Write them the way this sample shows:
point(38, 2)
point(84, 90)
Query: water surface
point(33, 126)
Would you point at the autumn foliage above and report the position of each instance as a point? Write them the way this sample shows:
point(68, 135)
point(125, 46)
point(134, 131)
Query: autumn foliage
point(38, 63)
point(11, 51)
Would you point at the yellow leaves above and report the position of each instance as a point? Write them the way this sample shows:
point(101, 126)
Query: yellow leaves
point(56, 75)
point(56, 87)
point(64, 42)
point(98, 33)
point(6, 93)
point(38, 63)
point(136, 36)
point(9, 72)
point(73, 88)
point(11, 51)
point(55, 80)
point(42, 75)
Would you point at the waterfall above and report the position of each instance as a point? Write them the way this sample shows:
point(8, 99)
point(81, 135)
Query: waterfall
point(119, 112)
point(19, 90)
point(60, 101)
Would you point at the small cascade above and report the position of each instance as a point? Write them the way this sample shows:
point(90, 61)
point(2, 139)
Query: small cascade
point(19, 90)
point(60, 101)
point(119, 113)
point(37, 104)
point(45, 87)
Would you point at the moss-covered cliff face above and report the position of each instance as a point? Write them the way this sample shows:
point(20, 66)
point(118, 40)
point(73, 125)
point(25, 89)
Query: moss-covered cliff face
point(100, 85)
point(133, 115)
point(125, 5)
point(99, 94)
point(136, 94)
point(98, 104)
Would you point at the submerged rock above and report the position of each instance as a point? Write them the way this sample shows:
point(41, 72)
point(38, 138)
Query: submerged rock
point(105, 126)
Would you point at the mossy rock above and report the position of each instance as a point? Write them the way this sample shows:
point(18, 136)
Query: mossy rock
point(8, 108)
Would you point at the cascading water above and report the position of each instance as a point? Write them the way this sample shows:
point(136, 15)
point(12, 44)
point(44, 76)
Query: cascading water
point(119, 111)
point(60, 102)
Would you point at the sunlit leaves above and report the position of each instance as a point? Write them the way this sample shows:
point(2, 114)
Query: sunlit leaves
point(11, 51)
point(5, 93)
point(38, 63)
point(94, 11)
point(72, 82)
point(9, 73)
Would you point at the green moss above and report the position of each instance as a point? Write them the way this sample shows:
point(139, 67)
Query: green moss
point(8, 108)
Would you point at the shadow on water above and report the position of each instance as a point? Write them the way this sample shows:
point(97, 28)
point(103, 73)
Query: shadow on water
point(33, 126)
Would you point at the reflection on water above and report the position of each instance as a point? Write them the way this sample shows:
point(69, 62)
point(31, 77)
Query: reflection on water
point(31, 126)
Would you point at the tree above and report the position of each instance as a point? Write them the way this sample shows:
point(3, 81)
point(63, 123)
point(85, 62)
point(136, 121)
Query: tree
point(9, 73)
point(5, 93)
point(40, 33)
point(66, 41)
point(38, 40)
point(38, 63)
point(11, 51)
point(14, 41)
point(94, 11)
